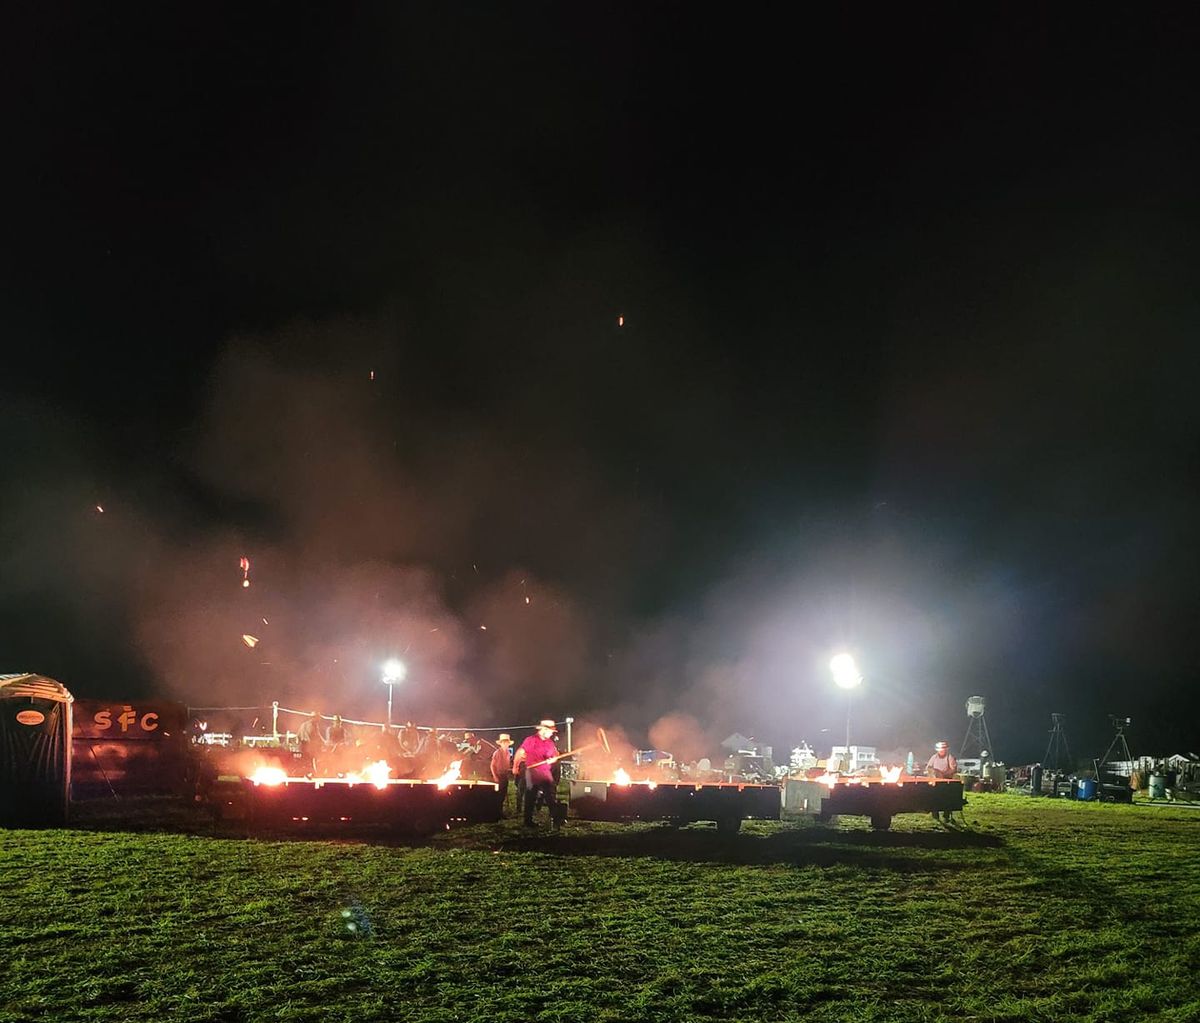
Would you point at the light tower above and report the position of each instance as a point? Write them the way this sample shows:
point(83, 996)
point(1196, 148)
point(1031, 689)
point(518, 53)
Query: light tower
point(1058, 754)
point(977, 738)
point(394, 672)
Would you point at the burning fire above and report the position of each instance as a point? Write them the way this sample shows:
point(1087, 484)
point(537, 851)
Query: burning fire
point(269, 776)
point(376, 773)
point(887, 775)
point(449, 776)
point(621, 777)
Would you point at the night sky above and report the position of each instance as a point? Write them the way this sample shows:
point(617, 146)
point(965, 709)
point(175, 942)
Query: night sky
point(617, 361)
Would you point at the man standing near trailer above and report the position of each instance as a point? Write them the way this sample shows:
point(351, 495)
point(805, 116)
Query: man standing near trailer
point(942, 765)
point(501, 767)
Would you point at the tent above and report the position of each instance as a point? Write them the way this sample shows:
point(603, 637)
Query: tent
point(35, 751)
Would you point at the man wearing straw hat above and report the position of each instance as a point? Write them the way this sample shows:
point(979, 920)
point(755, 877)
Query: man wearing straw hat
point(502, 766)
point(537, 756)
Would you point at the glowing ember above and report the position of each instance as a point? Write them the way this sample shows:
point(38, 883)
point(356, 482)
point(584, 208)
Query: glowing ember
point(376, 774)
point(372, 374)
point(100, 509)
point(245, 584)
point(244, 565)
point(620, 321)
point(621, 777)
point(250, 641)
point(269, 776)
point(449, 777)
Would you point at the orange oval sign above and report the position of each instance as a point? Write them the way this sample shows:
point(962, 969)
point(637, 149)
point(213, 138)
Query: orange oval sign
point(31, 717)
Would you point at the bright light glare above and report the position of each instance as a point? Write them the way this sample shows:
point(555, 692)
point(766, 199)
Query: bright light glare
point(845, 671)
point(394, 671)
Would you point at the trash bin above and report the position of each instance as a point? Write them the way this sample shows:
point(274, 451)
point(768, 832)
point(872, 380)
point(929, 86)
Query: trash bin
point(1158, 786)
point(35, 751)
point(1085, 788)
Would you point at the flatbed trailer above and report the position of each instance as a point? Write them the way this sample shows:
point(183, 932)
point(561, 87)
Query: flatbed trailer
point(726, 803)
point(878, 800)
point(400, 803)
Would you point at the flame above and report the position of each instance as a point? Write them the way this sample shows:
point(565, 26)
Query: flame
point(269, 776)
point(449, 776)
point(889, 774)
point(376, 773)
point(827, 779)
point(250, 641)
point(621, 777)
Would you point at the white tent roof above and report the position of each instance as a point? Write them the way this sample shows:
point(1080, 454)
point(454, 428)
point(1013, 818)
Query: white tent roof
point(24, 686)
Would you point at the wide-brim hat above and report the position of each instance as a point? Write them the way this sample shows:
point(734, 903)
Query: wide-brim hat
point(941, 745)
point(504, 737)
point(548, 723)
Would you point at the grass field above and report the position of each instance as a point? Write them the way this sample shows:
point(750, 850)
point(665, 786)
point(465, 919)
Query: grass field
point(1034, 910)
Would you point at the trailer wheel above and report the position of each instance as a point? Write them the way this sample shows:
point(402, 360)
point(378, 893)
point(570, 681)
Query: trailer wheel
point(729, 825)
point(881, 821)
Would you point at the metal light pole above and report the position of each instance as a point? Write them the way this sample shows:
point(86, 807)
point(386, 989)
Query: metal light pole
point(847, 676)
point(393, 671)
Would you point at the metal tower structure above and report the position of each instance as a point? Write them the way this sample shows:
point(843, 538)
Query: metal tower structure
point(1119, 744)
point(1058, 754)
point(977, 739)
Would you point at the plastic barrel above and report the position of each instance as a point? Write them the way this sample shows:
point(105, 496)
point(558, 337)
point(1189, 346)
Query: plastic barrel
point(1158, 787)
point(1085, 788)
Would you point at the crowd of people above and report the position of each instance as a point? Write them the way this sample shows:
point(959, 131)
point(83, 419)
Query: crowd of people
point(420, 752)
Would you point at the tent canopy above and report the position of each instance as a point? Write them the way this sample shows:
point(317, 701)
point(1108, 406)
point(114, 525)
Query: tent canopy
point(26, 685)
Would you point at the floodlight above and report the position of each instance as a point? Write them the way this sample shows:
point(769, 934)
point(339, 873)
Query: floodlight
point(845, 671)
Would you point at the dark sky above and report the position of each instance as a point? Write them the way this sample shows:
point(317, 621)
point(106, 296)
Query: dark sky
point(907, 366)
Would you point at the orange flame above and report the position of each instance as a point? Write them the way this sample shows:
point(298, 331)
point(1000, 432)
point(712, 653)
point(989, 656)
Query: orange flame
point(889, 775)
point(376, 773)
point(450, 776)
point(269, 776)
point(621, 777)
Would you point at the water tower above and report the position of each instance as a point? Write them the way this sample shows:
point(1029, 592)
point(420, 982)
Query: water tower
point(977, 739)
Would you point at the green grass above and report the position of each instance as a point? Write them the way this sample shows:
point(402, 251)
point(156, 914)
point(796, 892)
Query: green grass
point(1037, 910)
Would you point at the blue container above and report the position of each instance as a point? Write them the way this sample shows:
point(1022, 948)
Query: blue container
point(1085, 788)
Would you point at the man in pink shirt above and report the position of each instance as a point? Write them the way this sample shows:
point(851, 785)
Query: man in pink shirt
point(536, 755)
